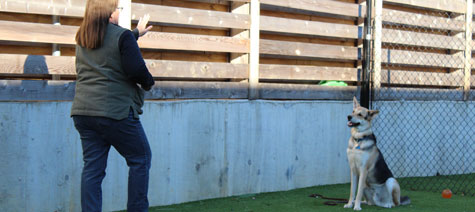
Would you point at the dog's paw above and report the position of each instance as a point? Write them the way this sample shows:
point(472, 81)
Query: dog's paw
point(357, 208)
point(349, 205)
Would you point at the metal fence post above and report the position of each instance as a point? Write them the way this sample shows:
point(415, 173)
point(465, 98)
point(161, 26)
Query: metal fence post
point(378, 26)
point(365, 79)
point(125, 19)
point(56, 50)
point(468, 50)
point(254, 50)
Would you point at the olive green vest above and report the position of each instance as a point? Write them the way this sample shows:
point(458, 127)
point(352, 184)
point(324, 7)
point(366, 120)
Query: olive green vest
point(102, 87)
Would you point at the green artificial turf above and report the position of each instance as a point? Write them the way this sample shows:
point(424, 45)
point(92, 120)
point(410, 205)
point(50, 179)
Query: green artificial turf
point(463, 184)
point(298, 200)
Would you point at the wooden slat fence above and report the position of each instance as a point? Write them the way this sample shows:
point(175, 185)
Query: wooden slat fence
point(203, 48)
point(302, 43)
point(423, 47)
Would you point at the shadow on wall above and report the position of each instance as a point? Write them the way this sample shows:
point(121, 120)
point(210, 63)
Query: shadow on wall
point(39, 90)
point(35, 64)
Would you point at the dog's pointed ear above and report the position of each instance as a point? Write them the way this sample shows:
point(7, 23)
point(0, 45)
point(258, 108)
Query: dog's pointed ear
point(372, 113)
point(355, 102)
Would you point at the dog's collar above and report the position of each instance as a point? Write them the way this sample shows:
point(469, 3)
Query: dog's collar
point(366, 148)
point(367, 137)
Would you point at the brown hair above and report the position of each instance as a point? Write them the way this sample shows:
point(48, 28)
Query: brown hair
point(93, 27)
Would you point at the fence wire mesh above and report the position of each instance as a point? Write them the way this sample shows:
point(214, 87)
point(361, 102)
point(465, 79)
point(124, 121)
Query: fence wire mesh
point(425, 127)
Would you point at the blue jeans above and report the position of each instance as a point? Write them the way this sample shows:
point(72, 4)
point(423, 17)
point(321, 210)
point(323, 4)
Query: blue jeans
point(127, 136)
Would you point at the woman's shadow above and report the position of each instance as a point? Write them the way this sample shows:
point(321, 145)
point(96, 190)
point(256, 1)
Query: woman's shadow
point(31, 88)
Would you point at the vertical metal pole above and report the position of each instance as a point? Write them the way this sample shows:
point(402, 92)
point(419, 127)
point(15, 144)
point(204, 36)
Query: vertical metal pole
point(377, 49)
point(254, 50)
point(125, 19)
point(468, 49)
point(365, 79)
point(55, 50)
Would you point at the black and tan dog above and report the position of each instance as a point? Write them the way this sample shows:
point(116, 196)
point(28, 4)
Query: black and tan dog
point(369, 172)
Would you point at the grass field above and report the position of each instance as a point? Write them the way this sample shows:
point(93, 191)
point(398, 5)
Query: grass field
point(298, 200)
point(459, 184)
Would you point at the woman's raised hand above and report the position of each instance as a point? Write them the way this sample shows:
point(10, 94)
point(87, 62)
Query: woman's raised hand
point(142, 25)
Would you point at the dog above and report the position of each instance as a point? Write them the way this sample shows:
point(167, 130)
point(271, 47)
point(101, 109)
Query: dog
point(370, 175)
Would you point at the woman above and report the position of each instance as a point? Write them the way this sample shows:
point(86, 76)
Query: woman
point(108, 101)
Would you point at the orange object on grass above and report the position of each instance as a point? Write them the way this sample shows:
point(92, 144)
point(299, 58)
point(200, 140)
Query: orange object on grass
point(447, 193)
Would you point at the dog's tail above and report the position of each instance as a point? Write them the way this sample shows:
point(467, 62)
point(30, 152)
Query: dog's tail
point(405, 200)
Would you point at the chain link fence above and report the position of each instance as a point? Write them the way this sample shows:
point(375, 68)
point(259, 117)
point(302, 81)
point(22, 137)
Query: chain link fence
point(425, 128)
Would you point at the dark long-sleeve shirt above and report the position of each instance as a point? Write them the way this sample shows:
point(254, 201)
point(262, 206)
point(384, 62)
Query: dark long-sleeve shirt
point(132, 60)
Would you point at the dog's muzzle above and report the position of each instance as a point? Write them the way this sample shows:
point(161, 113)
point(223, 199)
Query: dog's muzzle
point(350, 123)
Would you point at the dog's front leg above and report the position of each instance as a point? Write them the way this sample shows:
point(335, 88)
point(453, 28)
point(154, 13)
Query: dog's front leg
point(361, 187)
point(354, 180)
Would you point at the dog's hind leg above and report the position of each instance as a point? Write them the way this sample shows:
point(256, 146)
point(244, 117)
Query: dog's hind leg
point(354, 180)
point(369, 196)
point(394, 190)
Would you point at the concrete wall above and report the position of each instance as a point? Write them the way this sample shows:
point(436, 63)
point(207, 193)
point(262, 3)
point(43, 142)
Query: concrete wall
point(201, 149)
point(215, 148)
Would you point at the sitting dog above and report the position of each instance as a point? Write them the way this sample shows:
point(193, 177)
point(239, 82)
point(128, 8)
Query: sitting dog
point(369, 172)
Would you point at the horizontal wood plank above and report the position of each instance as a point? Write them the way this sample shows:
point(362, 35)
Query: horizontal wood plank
point(291, 72)
point(196, 70)
point(41, 66)
point(296, 49)
point(421, 20)
point(457, 6)
point(226, 2)
point(194, 17)
point(38, 90)
point(41, 90)
point(49, 90)
point(37, 33)
point(36, 65)
point(31, 65)
point(198, 90)
point(410, 58)
point(313, 28)
point(320, 6)
point(400, 37)
point(423, 94)
point(473, 49)
point(49, 33)
point(398, 77)
point(71, 8)
point(177, 41)
point(305, 92)
point(159, 13)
